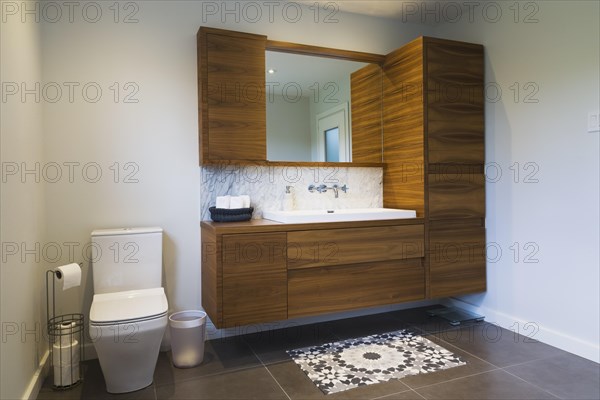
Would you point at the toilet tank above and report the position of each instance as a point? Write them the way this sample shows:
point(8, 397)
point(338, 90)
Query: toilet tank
point(126, 259)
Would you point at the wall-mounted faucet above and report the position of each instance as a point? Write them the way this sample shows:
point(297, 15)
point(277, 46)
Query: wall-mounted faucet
point(323, 188)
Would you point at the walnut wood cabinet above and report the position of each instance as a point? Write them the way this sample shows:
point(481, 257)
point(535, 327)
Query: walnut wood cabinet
point(232, 106)
point(433, 149)
point(262, 271)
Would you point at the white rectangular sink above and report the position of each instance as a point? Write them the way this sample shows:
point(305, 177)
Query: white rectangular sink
point(354, 214)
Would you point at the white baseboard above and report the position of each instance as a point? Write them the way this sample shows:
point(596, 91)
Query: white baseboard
point(563, 341)
point(37, 380)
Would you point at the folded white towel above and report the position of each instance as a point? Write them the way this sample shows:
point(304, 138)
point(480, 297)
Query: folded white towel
point(246, 200)
point(236, 202)
point(223, 202)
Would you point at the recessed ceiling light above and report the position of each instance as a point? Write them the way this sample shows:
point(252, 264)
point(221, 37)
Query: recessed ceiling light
point(271, 71)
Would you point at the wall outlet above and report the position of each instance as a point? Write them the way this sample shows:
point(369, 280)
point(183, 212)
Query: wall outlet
point(593, 122)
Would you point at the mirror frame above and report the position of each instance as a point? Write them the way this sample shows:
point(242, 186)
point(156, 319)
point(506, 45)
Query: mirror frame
point(326, 52)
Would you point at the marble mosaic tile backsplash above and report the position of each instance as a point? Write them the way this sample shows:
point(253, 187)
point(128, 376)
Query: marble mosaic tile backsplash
point(266, 187)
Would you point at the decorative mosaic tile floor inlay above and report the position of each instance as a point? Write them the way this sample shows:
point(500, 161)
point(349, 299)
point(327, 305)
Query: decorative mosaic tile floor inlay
point(335, 367)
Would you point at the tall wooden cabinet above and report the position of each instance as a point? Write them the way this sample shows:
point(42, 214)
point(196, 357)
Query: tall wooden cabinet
point(433, 149)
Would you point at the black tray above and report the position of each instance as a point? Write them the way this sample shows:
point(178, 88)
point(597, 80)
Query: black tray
point(230, 215)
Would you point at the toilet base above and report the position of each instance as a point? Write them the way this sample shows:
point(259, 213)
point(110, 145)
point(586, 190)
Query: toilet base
point(128, 353)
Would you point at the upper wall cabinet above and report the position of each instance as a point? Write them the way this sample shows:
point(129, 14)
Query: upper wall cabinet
point(455, 107)
point(232, 108)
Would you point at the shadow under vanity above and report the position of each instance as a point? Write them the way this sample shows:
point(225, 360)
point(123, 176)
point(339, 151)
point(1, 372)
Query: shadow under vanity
point(417, 113)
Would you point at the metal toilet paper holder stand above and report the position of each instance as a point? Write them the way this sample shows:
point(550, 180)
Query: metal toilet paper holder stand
point(65, 340)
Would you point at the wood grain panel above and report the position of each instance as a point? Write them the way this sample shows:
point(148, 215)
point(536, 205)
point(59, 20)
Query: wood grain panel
point(233, 107)
point(455, 102)
point(403, 129)
point(367, 101)
point(309, 249)
point(255, 253)
point(330, 289)
point(211, 275)
point(457, 262)
point(456, 196)
point(254, 298)
point(254, 278)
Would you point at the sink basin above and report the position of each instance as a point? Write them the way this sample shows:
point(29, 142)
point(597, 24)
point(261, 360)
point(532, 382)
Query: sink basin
point(353, 214)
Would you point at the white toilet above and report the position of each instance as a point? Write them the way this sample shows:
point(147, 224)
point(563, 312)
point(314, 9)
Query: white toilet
point(128, 317)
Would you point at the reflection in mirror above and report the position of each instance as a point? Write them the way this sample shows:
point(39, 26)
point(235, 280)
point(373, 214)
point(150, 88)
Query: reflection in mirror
point(308, 107)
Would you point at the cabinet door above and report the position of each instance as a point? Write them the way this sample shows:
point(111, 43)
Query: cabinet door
point(403, 126)
point(456, 195)
point(455, 106)
point(366, 92)
point(457, 262)
point(232, 104)
point(254, 278)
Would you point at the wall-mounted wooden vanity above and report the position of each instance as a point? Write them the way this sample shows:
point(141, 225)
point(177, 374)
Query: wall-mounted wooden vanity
point(418, 112)
point(263, 271)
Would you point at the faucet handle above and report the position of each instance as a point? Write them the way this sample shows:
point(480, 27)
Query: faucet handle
point(345, 188)
point(312, 188)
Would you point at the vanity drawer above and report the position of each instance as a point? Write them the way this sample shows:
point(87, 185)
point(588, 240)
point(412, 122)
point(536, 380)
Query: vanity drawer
point(319, 248)
point(249, 253)
point(314, 291)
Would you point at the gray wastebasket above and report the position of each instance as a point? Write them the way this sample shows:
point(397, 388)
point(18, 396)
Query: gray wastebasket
point(187, 337)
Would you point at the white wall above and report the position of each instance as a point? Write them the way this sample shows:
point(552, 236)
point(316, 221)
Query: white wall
point(557, 217)
point(23, 343)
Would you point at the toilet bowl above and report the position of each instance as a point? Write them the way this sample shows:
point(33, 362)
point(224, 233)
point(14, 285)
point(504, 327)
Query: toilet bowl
point(127, 329)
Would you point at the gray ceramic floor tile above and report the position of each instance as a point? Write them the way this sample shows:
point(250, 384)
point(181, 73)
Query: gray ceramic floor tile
point(222, 355)
point(419, 319)
point(496, 345)
point(566, 376)
point(495, 384)
point(365, 326)
point(270, 346)
point(253, 383)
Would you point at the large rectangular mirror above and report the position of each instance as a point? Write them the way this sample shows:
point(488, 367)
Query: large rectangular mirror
point(309, 106)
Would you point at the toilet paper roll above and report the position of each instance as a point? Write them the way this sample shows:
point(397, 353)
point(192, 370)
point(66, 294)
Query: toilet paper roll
point(66, 364)
point(70, 274)
point(65, 354)
point(67, 333)
point(66, 375)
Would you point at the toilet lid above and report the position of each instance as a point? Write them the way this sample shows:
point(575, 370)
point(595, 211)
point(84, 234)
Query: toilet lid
point(128, 305)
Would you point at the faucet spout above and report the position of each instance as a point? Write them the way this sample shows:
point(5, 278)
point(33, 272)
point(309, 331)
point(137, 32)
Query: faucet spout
point(323, 189)
point(335, 190)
